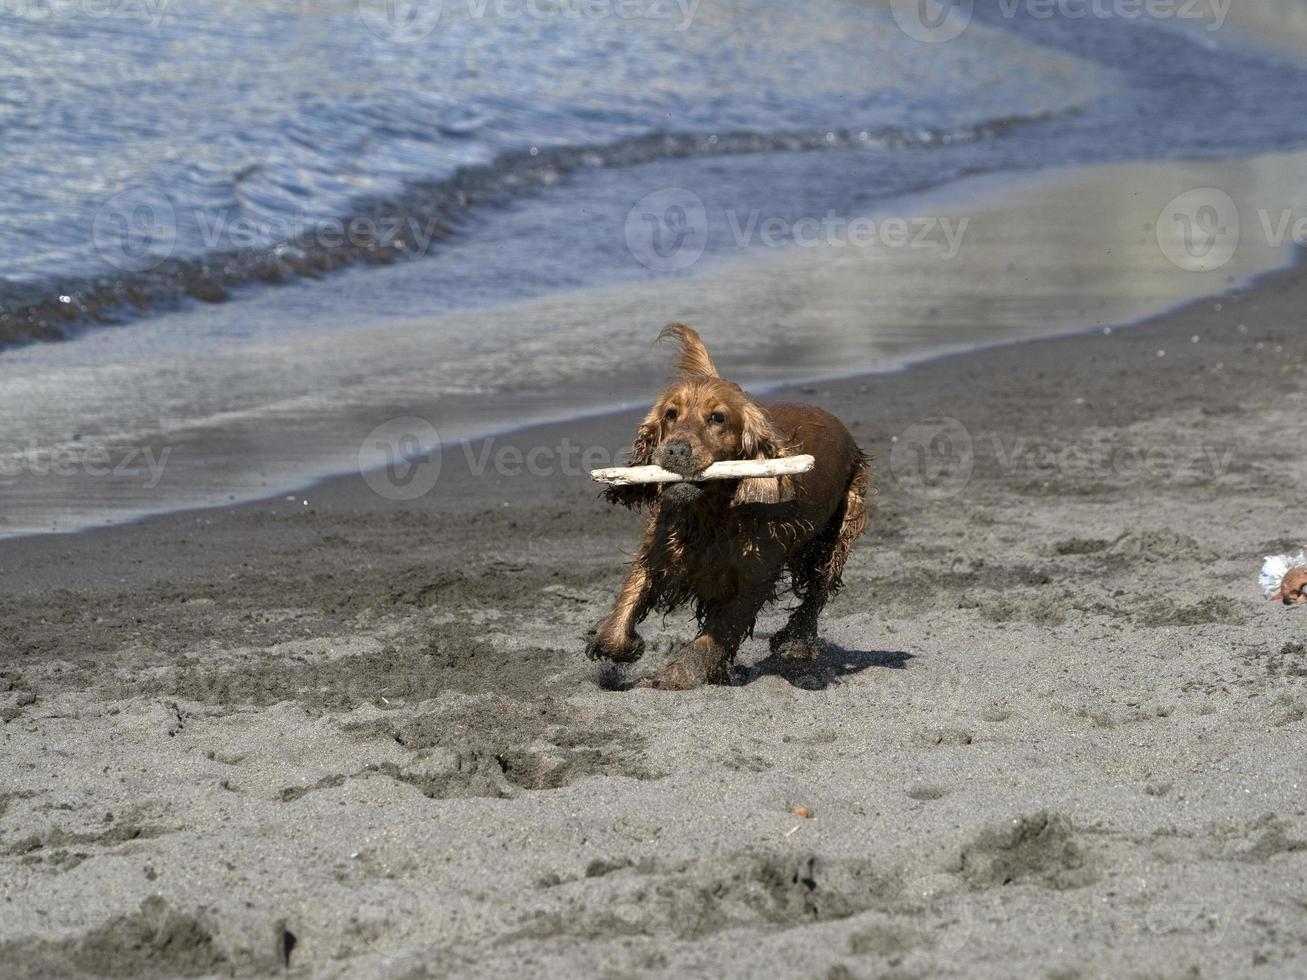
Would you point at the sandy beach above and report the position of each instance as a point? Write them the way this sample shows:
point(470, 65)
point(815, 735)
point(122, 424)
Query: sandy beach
point(1057, 733)
point(272, 707)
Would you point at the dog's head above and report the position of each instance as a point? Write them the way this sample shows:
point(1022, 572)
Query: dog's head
point(701, 419)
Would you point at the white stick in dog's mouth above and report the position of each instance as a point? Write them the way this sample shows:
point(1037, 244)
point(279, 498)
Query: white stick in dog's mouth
point(731, 469)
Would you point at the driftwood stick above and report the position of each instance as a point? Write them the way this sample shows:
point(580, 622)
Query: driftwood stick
point(733, 469)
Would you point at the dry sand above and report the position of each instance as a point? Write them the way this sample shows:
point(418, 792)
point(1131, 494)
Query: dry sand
point(1058, 733)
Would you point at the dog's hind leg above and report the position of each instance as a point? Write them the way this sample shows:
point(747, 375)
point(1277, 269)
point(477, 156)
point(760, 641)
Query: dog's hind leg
point(797, 639)
point(816, 574)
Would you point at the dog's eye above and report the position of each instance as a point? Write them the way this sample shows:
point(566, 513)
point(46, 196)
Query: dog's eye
point(716, 417)
point(670, 415)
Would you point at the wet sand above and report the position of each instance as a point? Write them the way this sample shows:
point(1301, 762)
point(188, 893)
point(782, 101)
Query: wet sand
point(1058, 733)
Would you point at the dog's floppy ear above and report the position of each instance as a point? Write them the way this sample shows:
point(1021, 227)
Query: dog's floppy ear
point(640, 454)
point(693, 360)
point(760, 440)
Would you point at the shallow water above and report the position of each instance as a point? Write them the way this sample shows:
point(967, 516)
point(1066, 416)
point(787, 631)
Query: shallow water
point(150, 134)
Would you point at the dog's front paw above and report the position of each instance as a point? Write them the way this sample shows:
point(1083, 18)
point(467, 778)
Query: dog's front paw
point(626, 650)
point(697, 666)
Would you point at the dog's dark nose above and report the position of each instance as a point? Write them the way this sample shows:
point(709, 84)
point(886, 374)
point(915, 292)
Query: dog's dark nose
point(678, 457)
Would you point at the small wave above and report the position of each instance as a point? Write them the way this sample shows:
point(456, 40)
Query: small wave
point(408, 225)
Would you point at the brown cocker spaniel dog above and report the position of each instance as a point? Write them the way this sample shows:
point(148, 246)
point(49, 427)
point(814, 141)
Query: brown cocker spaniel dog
point(725, 545)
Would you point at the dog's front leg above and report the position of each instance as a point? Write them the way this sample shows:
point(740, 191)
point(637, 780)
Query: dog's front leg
point(707, 658)
point(615, 637)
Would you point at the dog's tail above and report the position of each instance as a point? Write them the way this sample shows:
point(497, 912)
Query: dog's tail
point(693, 360)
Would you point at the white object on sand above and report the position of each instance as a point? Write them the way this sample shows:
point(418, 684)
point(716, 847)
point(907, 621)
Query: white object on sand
point(731, 469)
point(1275, 568)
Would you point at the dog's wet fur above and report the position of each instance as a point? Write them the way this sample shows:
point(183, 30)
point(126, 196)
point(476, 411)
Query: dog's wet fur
point(726, 547)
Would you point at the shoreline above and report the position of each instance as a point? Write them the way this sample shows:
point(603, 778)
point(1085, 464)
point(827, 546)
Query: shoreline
point(555, 430)
point(66, 307)
point(473, 447)
point(756, 305)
